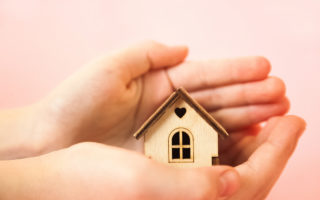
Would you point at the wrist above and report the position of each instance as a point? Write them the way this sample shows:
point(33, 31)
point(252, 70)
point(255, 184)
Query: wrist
point(17, 179)
point(17, 133)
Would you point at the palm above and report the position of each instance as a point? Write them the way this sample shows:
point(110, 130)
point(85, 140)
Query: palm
point(238, 147)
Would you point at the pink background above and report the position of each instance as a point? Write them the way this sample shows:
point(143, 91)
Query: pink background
point(42, 42)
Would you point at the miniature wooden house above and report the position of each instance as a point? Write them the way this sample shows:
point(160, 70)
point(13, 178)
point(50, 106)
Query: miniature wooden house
point(181, 133)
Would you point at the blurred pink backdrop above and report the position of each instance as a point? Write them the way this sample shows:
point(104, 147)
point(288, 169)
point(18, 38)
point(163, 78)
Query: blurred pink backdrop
point(42, 42)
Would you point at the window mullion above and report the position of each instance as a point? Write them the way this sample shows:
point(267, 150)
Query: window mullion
point(180, 143)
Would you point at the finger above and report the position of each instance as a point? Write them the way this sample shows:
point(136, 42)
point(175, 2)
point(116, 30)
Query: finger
point(133, 62)
point(260, 92)
point(207, 74)
point(264, 167)
point(241, 117)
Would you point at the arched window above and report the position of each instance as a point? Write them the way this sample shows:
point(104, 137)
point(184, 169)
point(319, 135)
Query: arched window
point(180, 146)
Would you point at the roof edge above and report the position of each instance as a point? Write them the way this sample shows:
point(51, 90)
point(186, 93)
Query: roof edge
point(181, 92)
point(156, 115)
point(203, 113)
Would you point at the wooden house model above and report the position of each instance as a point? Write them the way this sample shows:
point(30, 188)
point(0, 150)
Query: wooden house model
point(181, 133)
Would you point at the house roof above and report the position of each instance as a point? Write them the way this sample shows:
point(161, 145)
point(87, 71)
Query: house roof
point(181, 93)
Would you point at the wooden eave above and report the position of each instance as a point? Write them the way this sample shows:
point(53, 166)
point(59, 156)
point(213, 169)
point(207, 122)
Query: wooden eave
point(181, 93)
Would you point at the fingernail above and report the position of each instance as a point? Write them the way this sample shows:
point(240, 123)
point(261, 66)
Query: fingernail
point(229, 183)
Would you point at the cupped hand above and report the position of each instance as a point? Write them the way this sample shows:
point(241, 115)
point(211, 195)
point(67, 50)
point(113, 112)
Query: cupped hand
point(110, 98)
point(261, 156)
point(96, 171)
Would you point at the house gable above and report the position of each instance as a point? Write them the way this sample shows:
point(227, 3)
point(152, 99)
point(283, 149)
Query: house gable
point(204, 139)
point(181, 94)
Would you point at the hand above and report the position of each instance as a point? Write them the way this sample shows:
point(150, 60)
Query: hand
point(260, 157)
point(95, 171)
point(110, 98)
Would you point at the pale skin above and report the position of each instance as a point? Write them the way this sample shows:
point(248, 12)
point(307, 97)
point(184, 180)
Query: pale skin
point(109, 98)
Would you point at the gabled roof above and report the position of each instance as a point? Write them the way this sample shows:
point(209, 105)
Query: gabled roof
point(181, 93)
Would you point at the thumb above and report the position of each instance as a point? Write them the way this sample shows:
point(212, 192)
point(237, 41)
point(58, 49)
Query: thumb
point(136, 60)
point(208, 183)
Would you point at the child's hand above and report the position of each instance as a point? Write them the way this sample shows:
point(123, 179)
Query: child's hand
point(111, 97)
point(95, 171)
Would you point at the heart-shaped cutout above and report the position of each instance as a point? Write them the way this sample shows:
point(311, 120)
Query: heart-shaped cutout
point(180, 112)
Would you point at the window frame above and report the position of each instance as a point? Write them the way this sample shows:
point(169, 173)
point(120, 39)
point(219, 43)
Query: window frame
point(180, 146)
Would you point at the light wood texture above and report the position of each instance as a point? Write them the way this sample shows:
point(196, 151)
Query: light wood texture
point(205, 138)
point(181, 93)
